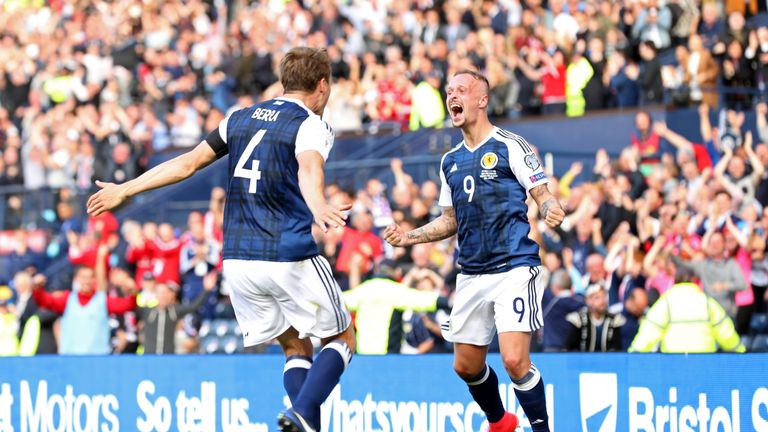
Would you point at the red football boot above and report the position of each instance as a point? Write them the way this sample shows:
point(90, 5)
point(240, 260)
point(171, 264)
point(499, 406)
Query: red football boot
point(508, 423)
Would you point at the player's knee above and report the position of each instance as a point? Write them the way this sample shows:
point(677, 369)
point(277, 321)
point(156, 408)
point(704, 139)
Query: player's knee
point(467, 371)
point(516, 364)
point(294, 346)
point(345, 339)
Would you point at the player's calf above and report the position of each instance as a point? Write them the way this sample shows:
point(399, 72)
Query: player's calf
point(484, 388)
point(294, 374)
point(298, 353)
point(483, 384)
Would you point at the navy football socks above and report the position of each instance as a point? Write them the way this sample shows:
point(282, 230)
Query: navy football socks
point(321, 379)
point(530, 393)
point(484, 389)
point(294, 374)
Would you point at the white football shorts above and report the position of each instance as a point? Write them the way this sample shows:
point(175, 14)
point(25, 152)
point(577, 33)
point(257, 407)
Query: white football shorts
point(501, 302)
point(269, 297)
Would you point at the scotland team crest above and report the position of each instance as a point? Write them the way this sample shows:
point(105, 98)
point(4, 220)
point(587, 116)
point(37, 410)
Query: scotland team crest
point(489, 160)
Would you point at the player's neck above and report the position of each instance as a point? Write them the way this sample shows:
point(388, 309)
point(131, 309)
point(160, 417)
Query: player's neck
point(308, 99)
point(475, 134)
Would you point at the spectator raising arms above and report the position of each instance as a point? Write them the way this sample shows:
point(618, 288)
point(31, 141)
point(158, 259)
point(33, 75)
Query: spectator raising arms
point(85, 309)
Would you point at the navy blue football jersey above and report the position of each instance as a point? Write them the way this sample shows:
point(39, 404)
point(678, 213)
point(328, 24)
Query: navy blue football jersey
point(488, 187)
point(265, 217)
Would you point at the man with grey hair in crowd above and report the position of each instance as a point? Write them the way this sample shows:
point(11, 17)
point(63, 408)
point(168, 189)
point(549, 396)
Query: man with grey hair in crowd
point(558, 302)
point(721, 277)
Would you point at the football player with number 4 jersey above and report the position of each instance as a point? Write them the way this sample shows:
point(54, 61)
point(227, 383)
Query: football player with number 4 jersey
point(281, 287)
point(485, 182)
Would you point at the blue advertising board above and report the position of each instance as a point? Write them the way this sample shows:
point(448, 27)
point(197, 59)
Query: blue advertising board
point(586, 393)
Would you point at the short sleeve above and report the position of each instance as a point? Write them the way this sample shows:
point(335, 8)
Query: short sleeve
point(217, 139)
point(445, 199)
point(524, 163)
point(314, 134)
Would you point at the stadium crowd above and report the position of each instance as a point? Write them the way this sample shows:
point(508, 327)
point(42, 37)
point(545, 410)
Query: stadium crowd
point(126, 80)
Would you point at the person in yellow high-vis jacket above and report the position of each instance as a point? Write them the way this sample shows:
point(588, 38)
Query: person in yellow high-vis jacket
point(577, 76)
point(686, 320)
point(9, 325)
point(427, 108)
point(376, 301)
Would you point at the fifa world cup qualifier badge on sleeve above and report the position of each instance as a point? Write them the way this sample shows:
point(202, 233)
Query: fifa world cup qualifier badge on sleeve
point(532, 162)
point(488, 163)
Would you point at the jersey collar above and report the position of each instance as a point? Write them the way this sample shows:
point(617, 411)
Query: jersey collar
point(487, 138)
point(296, 101)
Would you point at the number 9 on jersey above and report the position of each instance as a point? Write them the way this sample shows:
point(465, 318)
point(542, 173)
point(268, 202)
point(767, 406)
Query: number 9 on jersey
point(469, 187)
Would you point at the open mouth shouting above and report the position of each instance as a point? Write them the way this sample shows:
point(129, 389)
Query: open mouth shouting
point(457, 111)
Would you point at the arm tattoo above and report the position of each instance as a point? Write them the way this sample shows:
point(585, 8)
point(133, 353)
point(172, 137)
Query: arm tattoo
point(544, 199)
point(539, 191)
point(546, 205)
point(439, 229)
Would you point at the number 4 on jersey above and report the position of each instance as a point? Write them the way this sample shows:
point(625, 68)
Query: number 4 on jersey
point(253, 174)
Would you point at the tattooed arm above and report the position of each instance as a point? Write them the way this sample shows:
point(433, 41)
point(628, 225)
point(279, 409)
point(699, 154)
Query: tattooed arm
point(440, 228)
point(549, 209)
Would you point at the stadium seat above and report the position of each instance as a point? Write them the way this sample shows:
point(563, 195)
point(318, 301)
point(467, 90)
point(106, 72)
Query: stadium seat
point(220, 336)
point(747, 341)
point(760, 344)
point(232, 344)
point(234, 328)
point(220, 327)
point(759, 324)
point(205, 329)
point(209, 345)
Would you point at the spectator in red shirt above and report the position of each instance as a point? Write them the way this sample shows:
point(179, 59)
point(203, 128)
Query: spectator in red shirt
point(394, 103)
point(165, 253)
point(139, 253)
point(686, 150)
point(553, 83)
point(83, 250)
point(552, 77)
point(103, 225)
point(360, 248)
point(647, 142)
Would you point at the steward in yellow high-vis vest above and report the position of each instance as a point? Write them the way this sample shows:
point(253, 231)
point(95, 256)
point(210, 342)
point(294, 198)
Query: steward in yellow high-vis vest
point(686, 320)
point(9, 325)
point(427, 106)
point(375, 303)
point(577, 76)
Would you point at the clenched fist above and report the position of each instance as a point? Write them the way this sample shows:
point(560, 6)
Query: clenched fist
point(553, 214)
point(395, 235)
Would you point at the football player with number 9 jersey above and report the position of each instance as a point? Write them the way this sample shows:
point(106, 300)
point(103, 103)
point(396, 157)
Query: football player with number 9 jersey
point(485, 182)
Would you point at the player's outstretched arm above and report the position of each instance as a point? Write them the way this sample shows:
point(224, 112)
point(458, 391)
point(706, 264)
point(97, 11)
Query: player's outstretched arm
point(311, 183)
point(439, 229)
point(169, 172)
point(549, 208)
